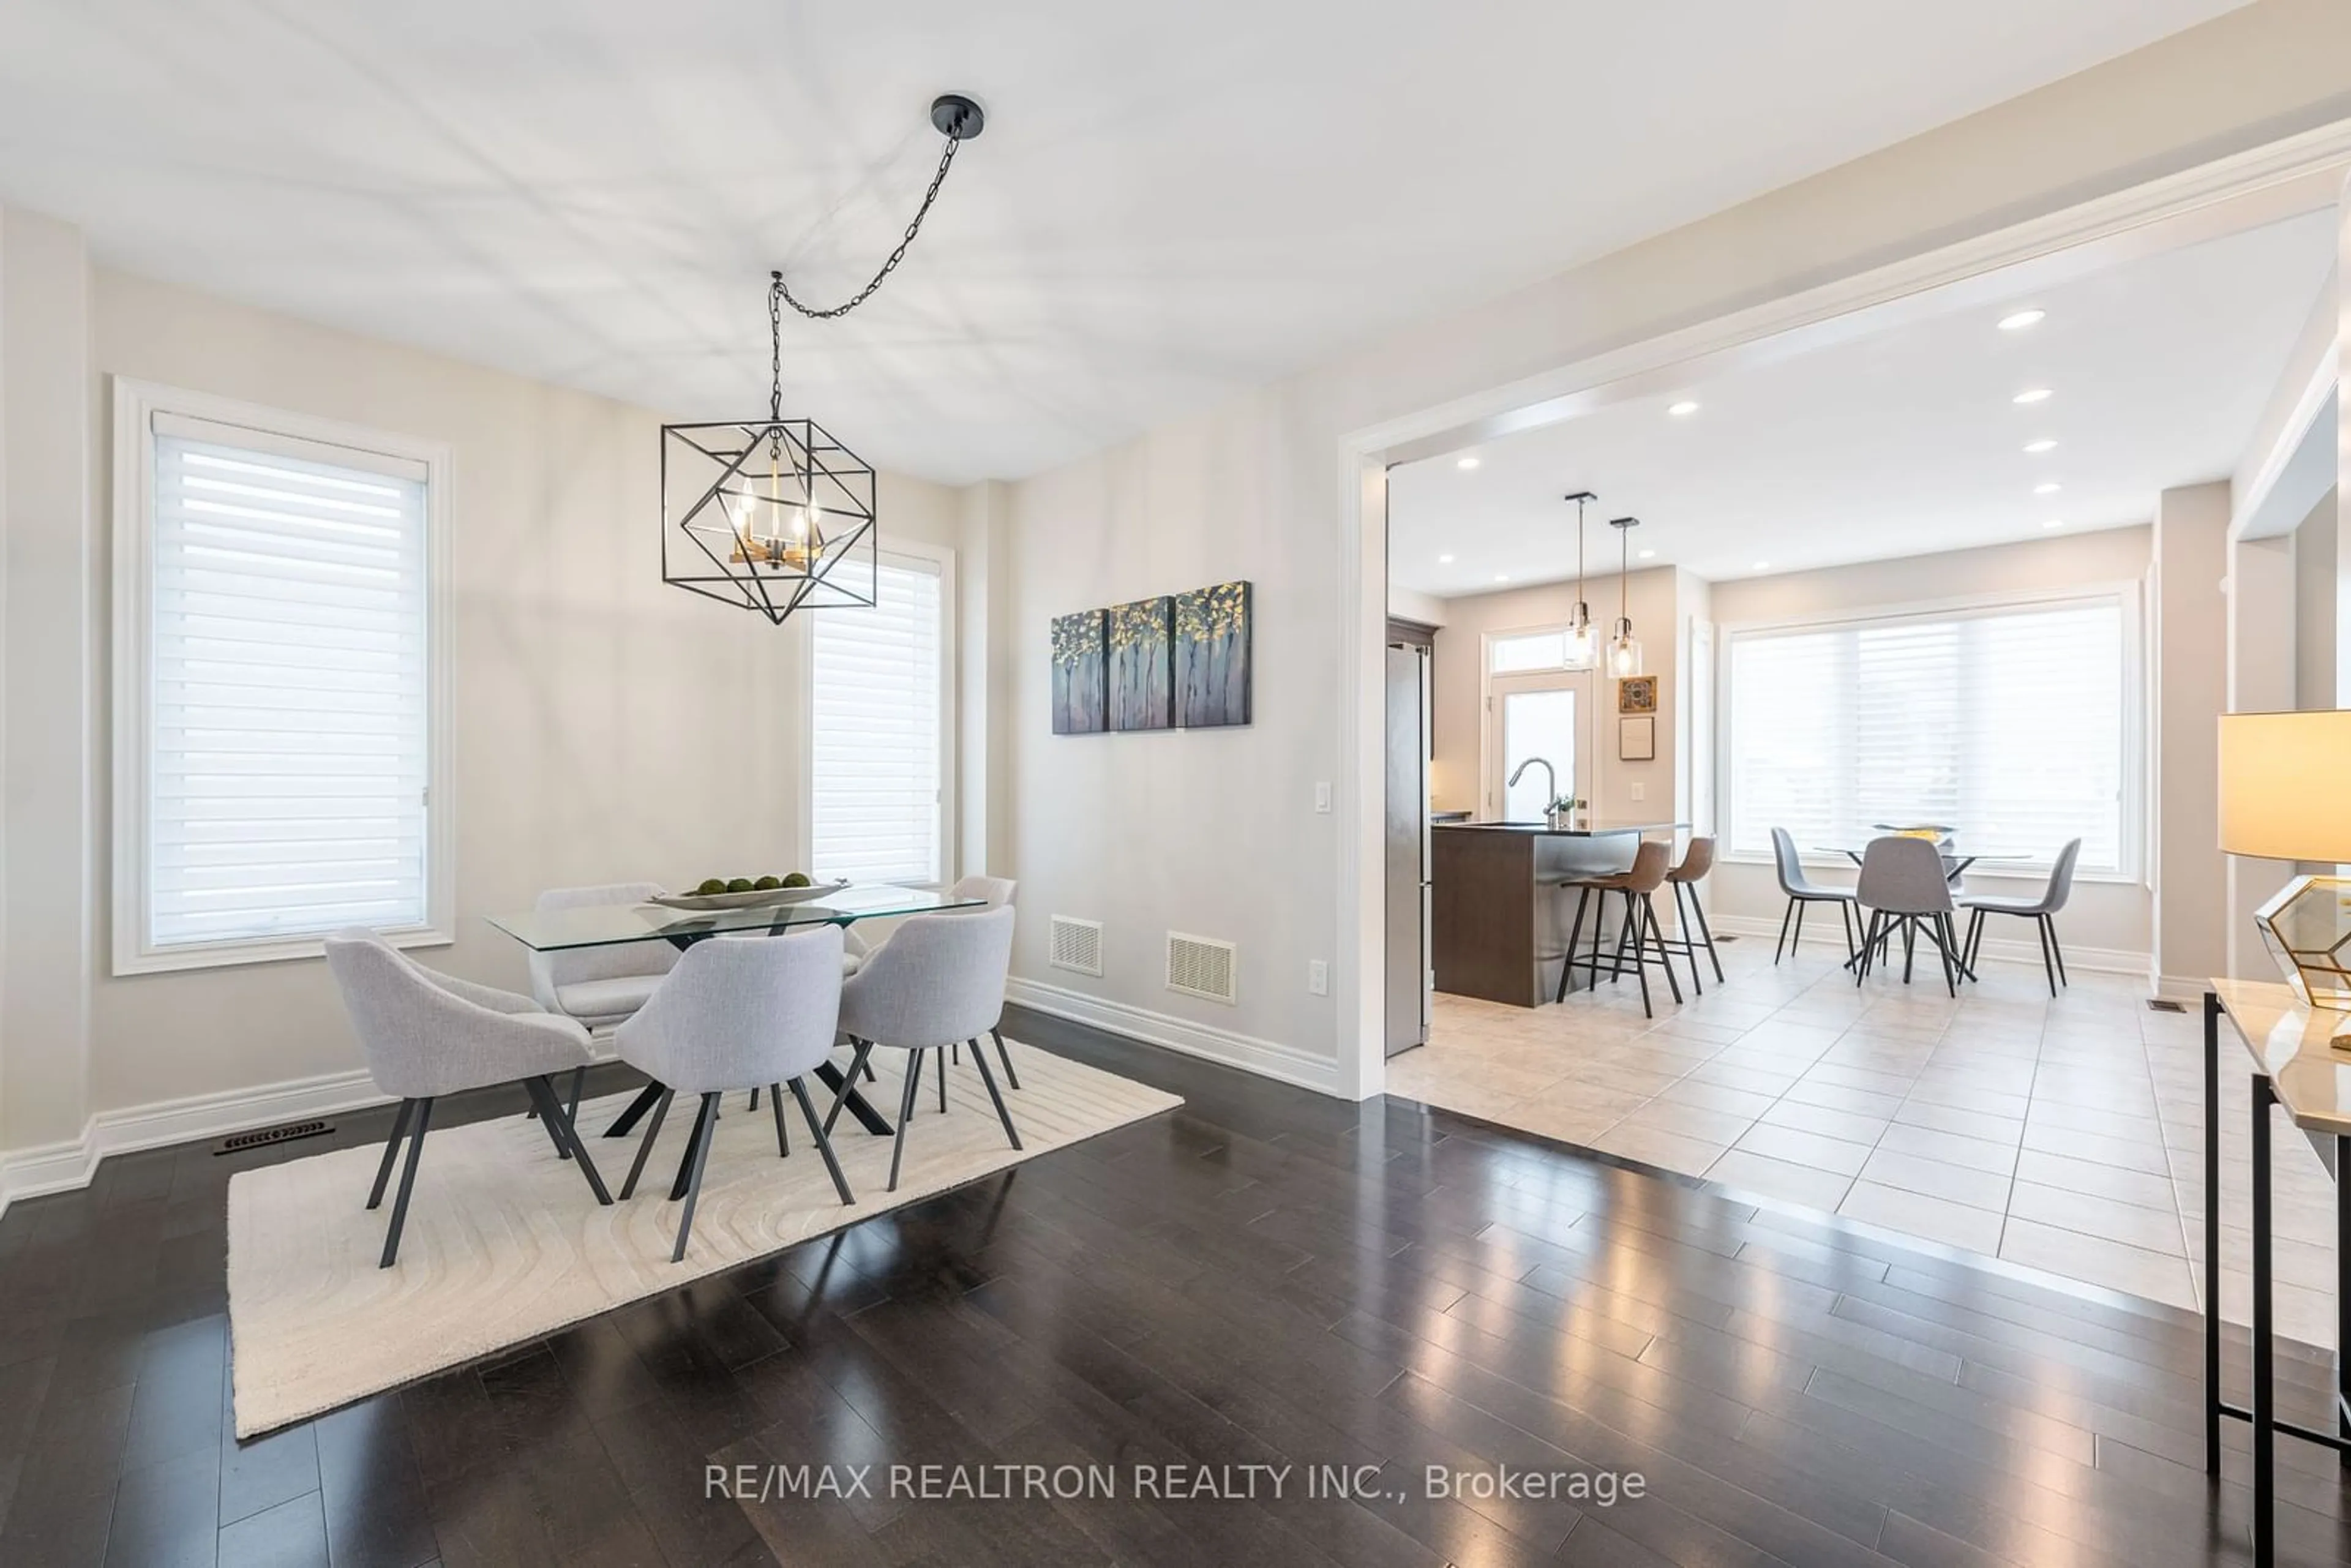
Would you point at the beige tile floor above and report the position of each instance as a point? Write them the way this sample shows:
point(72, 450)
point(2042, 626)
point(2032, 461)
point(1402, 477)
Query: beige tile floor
point(2060, 1135)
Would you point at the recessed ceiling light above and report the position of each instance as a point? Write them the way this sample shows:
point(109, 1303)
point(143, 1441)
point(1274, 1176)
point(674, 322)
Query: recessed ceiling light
point(1683, 409)
point(2018, 321)
point(2047, 487)
point(2040, 447)
point(1646, 554)
point(1467, 462)
point(1763, 565)
point(2054, 523)
point(1445, 560)
point(1501, 577)
point(2032, 396)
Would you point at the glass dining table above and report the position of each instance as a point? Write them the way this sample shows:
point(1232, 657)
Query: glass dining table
point(1955, 865)
point(614, 925)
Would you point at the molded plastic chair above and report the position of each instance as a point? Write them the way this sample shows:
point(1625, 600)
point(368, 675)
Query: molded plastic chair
point(939, 982)
point(738, 1013)
point(426, 1035)
point(2040, 911)
point(1903, 887)
point(1800, 890)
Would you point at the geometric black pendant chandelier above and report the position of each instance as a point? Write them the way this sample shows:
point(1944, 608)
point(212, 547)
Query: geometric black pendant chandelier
point(772, 514)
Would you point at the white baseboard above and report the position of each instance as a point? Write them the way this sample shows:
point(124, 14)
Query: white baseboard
point(2091, 960)
point(1251, 1054)
point(64, 1167)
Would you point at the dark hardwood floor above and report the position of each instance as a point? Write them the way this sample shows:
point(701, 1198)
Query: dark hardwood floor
point(1265, 1278)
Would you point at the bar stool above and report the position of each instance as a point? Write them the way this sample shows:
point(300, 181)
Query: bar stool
point(1639, 885)
point(1696, 862)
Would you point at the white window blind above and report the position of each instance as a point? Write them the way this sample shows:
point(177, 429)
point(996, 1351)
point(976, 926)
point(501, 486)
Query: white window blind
point(2011, 725)
point(878, 724)
point(287, 744)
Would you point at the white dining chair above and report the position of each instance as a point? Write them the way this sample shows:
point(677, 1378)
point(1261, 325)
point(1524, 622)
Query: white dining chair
point(603, 984)
point(996, 892)
point(738, 1013)
point(938, 983)
point(426, 1035)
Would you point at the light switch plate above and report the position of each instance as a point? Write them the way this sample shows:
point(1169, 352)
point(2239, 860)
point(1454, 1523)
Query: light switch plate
point(1322, 798)
point(1640, 792)
point(1318, 977)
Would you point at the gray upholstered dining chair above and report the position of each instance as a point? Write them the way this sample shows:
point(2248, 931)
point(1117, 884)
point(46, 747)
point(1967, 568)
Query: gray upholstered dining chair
point(599, 985)
point(998, 892)
point(735, 1013)
point(1904, 889)
point(2040, 911)
point(1800, 890)
point(939, 982)
point(426, 1035)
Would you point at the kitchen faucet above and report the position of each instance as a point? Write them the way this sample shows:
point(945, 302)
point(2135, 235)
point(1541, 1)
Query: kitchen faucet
point(1550, 784)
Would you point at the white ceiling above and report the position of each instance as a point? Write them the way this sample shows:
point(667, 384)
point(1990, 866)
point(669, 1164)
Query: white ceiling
point(1899, 444)
point(1170, 202)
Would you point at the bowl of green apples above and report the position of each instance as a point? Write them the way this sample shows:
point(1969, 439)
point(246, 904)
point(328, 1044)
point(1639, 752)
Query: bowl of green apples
point(749, 892)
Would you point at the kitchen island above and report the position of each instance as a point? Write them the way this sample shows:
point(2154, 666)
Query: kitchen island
point(1499, 917)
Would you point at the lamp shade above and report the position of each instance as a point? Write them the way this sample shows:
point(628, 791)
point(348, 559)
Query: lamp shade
point(2285, 785)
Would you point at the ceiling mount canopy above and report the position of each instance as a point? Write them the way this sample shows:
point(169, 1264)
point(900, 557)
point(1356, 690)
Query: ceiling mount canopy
point(772, 514)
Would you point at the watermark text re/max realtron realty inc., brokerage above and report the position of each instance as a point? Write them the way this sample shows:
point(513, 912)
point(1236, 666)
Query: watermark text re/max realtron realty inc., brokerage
point(1165, 1483)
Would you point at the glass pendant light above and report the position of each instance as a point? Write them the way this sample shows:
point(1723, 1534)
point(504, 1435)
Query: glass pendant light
point(1623, 648)
point(1583, 638)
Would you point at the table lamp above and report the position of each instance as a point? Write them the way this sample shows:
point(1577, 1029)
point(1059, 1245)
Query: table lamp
point(2286, 794)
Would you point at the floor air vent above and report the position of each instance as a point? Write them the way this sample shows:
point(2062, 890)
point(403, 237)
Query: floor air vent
point(262, 1137)
point(1077, 946)
point(2165, 1004)
point(1200, 966)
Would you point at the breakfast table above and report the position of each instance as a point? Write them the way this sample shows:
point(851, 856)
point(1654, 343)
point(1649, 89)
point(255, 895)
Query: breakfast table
point(610, 925)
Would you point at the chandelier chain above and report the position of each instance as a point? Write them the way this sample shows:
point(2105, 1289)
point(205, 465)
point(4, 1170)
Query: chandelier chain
point(946, 159)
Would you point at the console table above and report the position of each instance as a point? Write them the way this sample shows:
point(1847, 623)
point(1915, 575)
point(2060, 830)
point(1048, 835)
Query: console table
point(2294, 1067)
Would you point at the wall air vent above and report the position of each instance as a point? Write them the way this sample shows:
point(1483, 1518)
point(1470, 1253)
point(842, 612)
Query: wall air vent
point(262, 1137)
point(1200, 966)
point(1077, 946)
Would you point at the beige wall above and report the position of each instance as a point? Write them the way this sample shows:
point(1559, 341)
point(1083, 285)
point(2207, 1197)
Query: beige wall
point(2190, 636)
point(2107, 923)
point(1253, 488)
point(1458, 705)
point(2317, 564)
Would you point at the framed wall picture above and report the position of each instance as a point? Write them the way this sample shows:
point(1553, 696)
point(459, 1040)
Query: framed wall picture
point(1636, 738)
point(1079, 674)
point(1636, 693)
point(1143, 663)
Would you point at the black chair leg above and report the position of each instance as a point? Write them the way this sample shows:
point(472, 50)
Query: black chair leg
point(645, 1149)
point(1798, 940)
point(701, 1120)
point(407, 1181)
point(1665, 954)
point(755, 1101)
point(776, 1102)
point(1868, 946)
point(1688, 943)
point(1004, 1056)
point(1574, 936)
point(862, 1061)
point(1640, 967)
point(2049, 923)
point(391, 1152)
point(905, 1113)
point(1845, 918)
point(1942, 937)
point(1785, 915)
point(2048, 966)
point(823, 1143)
point(1705, 934)
point(698, 1157)
point(1909, 945)
point(989, 1078)
point(571, 1100)
point(942, 1066)
point(552, 1112)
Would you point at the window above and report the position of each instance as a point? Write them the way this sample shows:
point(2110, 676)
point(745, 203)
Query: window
point(2014, 723)
point(278, 772)
point(878, 752)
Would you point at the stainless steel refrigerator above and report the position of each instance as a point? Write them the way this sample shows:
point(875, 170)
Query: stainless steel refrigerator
point(1408, 849)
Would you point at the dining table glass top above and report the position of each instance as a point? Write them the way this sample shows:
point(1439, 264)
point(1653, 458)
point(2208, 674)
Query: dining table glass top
point(608, 925)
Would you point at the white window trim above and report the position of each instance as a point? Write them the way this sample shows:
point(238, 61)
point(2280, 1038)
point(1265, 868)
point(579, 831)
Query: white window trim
point(799, 725)
point(136, 403)
point(2136, 759)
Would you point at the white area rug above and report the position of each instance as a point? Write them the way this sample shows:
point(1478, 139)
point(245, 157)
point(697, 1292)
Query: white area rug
point(504, 1242)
